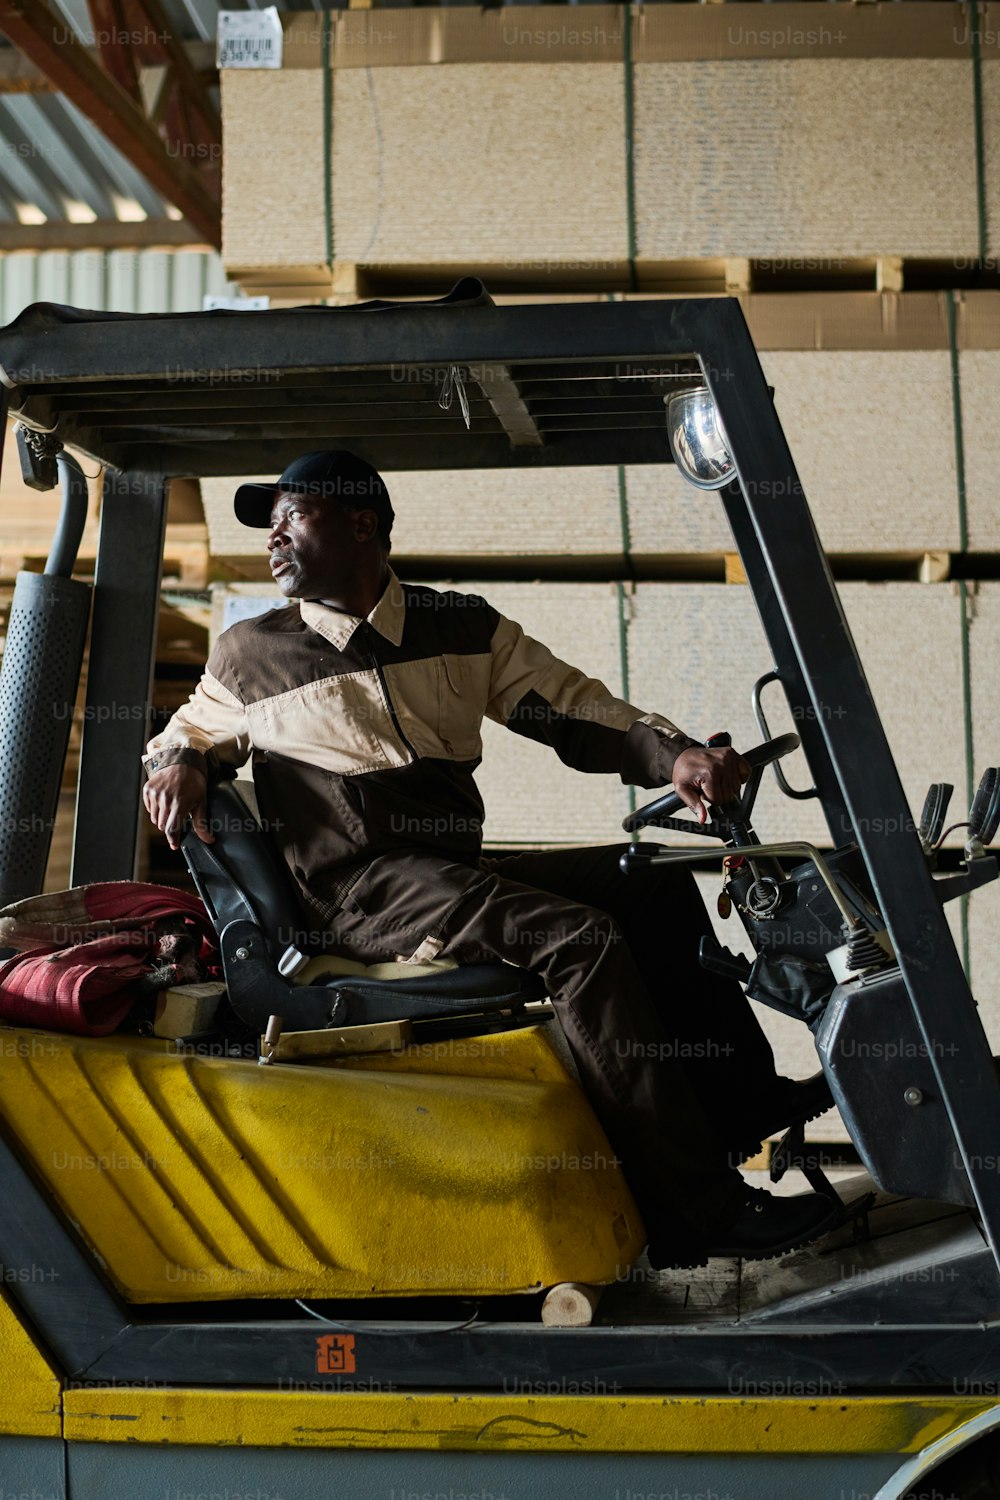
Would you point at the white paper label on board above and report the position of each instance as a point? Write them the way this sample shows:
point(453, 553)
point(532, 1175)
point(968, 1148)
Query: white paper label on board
point(249, 39)
point(234, 304)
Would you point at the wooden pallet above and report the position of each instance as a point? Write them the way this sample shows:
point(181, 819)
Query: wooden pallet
point(347, 281)
point(922, 567)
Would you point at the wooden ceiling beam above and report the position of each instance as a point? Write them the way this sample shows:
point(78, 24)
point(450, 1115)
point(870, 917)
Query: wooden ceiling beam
point(71, 66)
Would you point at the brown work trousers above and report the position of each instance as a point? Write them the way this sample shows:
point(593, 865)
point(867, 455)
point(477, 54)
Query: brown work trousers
point(670, 1056)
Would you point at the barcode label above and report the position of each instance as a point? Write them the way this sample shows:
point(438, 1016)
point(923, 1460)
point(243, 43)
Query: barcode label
point(249, 39)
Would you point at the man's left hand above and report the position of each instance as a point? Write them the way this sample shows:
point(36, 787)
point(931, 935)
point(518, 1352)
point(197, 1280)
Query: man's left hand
point(702, 776)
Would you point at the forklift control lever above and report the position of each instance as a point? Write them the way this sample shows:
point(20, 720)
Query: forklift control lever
point(934, 813)
point(718, 960)
point(670, 803)
point(985, 814)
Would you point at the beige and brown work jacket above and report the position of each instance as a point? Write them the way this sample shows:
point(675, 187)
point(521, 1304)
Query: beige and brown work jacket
point(365, 734)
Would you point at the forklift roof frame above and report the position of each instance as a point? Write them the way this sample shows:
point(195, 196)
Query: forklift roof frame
point(150, 369)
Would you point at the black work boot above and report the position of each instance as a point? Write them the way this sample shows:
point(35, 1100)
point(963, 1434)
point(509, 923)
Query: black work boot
point(765, 1226)
point(755, 1226)
point(791, 1102)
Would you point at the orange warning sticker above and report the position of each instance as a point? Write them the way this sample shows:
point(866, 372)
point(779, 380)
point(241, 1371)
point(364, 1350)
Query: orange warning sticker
point(335, 1354)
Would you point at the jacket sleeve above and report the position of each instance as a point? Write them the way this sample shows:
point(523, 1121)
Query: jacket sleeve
point(535, 694)
point(211, 728)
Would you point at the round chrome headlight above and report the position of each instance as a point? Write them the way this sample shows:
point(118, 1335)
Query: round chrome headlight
point(697, 440)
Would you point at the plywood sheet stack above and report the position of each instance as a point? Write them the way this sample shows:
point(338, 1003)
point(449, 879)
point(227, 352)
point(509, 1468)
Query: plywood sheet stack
point(699, 139)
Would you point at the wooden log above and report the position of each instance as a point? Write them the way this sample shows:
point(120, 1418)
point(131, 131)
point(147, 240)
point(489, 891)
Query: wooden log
point(571, 1304)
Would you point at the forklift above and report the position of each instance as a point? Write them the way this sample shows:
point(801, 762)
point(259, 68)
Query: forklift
point(337, 1273)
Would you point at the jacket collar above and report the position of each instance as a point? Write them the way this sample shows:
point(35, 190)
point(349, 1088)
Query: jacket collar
point(388, 617)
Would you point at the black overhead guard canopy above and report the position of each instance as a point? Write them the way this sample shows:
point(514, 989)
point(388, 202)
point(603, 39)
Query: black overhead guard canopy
point(246, 392)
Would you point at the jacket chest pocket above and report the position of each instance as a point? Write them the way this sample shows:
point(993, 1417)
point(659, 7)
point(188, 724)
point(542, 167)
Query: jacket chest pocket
point(463, 694)
point(340, 724)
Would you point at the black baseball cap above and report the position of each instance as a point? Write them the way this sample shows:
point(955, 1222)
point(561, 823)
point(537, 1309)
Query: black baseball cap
point(334, 474)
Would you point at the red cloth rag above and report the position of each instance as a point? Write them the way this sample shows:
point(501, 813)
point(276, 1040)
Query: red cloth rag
point(87, 987)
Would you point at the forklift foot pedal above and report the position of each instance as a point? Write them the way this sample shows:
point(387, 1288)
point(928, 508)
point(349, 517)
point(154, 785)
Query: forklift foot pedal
point(791, 1152)
point(856, 1214)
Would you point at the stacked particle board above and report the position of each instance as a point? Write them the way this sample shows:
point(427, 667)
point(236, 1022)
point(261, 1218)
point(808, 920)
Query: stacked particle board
point(980, 387)
point(762, 158)
point(863, 387)
point(413, 185)
point(449, 516)
point(694, 137)
point(695, 651)
point(872, 436)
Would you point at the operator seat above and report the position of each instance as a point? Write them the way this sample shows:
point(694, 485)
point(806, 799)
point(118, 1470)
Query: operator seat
point(251, 899)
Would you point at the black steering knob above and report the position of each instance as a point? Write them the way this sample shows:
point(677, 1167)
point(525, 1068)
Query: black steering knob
point(671, 803)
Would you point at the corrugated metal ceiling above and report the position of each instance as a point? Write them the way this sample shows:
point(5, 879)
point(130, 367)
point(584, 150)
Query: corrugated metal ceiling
point(55, 166)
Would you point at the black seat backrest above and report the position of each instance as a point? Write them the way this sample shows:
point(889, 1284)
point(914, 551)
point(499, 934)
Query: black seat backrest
point(241, 876)
point(242, 879)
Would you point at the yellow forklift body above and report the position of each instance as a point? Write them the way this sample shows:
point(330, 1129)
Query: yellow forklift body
point(478, 1168)
point(30, 1389)
point(548, 1423)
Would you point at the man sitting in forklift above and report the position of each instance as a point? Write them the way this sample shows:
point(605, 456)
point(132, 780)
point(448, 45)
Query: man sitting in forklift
point(362, 706)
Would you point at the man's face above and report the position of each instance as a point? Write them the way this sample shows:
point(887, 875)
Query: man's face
point(315, 545)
